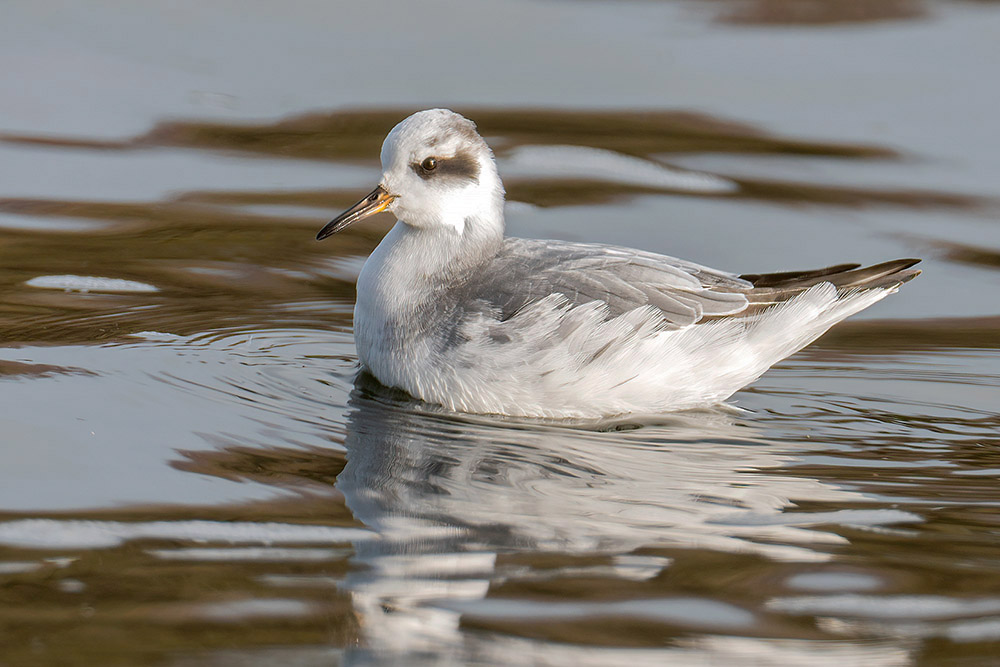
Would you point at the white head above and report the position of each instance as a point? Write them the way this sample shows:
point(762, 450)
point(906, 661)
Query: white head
point(437, 173)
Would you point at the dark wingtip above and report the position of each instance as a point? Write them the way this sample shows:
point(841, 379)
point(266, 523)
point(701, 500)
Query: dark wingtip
point(778, 279)
point(843, 276)
point(907, 263)
point(907, 276)
point(894, 271)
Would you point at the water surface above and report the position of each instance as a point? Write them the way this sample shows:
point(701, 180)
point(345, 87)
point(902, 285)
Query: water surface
point(194, 473)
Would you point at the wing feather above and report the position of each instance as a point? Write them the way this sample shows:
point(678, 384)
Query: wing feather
point(622, 279)
point(613, 281)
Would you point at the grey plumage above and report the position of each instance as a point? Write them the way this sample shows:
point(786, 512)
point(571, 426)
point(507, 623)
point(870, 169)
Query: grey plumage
point(685, 293)
point(527, 270)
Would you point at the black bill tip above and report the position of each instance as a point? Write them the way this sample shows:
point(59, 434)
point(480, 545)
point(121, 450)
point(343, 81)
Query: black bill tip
point(374, 202)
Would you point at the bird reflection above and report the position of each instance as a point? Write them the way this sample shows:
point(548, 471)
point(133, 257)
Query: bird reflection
point(447, 494)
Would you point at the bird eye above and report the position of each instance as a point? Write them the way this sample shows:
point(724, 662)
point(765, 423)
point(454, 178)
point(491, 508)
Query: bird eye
point(429, 164)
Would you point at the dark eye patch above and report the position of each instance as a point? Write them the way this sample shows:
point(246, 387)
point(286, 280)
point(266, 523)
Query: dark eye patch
point(462, 167)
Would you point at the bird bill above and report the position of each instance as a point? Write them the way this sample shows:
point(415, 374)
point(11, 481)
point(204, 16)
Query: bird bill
point(374, 202)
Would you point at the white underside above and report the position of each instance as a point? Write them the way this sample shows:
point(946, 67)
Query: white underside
point(573, 363)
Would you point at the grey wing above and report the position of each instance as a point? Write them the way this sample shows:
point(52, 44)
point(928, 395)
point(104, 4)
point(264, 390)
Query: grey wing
point(624, 279)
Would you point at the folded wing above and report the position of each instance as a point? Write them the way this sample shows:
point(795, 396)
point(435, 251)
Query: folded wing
point(624, 279)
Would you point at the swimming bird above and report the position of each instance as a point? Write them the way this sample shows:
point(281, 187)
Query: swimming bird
point(454, 313)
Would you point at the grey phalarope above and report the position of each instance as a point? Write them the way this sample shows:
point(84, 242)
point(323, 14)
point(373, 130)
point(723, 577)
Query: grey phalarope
point(454, 313)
